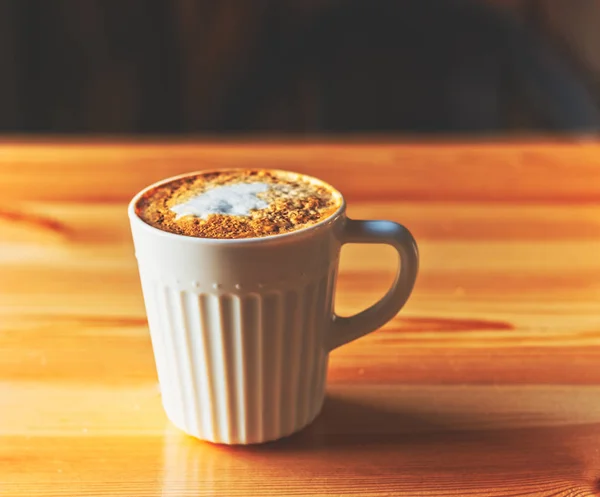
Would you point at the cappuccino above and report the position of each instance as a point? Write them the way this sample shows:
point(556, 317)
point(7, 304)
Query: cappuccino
point(238, 204)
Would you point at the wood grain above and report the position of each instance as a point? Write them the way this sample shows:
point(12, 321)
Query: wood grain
point(460, 172)
point(486, 384)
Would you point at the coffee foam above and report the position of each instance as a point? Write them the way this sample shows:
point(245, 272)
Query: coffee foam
point(237, 204)
point(239, 199)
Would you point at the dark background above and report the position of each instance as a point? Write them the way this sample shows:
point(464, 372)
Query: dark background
point(313, 66)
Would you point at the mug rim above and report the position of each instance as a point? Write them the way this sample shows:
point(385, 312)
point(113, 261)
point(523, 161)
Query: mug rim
point(134, 218)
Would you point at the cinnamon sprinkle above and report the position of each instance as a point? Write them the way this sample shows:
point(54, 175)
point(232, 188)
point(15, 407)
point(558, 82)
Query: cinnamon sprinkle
point(293, 201)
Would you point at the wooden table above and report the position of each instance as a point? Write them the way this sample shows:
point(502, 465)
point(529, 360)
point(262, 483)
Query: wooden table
point(488, 383)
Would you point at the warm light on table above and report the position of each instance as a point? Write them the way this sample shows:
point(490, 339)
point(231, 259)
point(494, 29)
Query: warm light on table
point(488, 383)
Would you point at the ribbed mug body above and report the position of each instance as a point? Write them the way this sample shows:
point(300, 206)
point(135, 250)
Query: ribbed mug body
point(239, 328)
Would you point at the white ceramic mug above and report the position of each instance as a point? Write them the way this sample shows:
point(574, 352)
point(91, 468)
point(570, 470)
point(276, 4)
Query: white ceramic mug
point(242, 328)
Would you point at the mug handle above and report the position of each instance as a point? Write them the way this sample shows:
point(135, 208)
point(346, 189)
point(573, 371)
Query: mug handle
point(347, 329)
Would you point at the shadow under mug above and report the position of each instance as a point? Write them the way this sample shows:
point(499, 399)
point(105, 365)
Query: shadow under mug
point(242, 328)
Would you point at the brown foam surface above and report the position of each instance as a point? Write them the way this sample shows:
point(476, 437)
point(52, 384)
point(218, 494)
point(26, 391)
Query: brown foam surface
point(294, 202)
